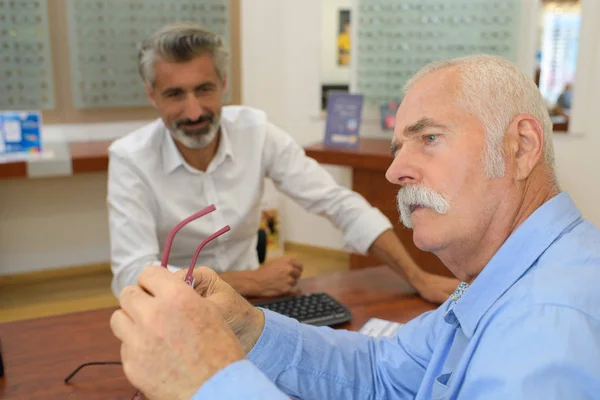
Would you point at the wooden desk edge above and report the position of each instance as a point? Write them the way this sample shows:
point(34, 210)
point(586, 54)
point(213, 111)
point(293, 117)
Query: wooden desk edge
point(86, 157)
point(373, 154)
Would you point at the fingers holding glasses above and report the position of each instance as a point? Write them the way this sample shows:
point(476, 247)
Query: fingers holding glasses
point(121, 325)
point(172, 339)
point(158, 281)
point(134, 305)
point(207, 281)
point(134, 301)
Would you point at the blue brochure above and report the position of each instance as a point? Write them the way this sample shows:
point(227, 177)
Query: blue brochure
point(344, 112)
point(20, 132)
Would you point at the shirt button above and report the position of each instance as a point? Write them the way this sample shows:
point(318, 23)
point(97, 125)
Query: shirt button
point(450, 318)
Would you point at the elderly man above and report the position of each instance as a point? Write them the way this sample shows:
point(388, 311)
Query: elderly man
point(198, 153)
point(474, 158)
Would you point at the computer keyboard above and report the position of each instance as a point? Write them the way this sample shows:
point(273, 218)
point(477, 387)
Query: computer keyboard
point(314, 308)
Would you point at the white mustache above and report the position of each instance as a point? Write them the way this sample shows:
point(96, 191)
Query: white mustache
point(420, 195)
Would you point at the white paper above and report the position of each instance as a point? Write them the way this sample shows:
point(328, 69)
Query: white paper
point(380, 328)
point(12, 131)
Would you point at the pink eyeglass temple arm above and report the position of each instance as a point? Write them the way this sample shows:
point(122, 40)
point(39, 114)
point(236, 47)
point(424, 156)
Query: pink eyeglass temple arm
point(189, 276)
point(165, 257)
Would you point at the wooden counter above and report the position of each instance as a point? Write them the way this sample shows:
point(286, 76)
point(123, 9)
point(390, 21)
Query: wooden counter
point(85, 157)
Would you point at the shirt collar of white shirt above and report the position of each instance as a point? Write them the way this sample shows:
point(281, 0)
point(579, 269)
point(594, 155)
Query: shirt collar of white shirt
point(172, 158)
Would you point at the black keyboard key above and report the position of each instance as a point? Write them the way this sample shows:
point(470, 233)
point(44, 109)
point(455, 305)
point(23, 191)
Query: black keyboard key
point(314, 308)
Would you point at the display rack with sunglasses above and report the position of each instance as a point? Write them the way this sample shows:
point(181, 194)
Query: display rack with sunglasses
point(104, 36)
point(25, 59)
point(395, 38)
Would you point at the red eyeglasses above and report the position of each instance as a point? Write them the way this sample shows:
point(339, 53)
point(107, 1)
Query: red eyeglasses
point(189, 276)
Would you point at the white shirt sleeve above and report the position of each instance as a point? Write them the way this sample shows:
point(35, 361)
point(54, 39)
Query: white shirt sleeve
point(132, 212)
point(304, 180)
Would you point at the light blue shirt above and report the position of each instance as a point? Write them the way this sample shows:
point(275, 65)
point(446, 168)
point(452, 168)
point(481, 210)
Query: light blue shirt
point(528, 327)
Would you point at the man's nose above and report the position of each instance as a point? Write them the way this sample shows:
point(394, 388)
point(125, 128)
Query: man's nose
point(193, 110)
point(404, 169)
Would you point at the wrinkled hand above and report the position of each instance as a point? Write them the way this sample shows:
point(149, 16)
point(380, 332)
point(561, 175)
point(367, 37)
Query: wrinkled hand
point(245, 320)
point(172, 339)
point(435, 288)
point(278, 277)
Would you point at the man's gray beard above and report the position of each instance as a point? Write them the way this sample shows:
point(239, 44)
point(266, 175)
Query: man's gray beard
point(418, 194)
point(199, 138)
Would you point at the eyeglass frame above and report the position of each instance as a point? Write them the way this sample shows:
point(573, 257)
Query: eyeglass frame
point(189, 276)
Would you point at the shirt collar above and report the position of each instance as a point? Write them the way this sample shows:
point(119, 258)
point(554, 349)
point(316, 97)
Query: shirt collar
point(224, 151)
point(522, 248)
point(172, 158)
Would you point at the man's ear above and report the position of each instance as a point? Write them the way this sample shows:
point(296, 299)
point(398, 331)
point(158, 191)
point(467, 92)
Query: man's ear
point(150, 94)
point(529, 144)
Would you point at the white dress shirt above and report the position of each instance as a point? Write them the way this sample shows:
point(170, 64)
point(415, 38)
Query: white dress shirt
point(151, 188)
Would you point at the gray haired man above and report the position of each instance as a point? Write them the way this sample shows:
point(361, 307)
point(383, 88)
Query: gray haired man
point(472, 135)
point(199, 153)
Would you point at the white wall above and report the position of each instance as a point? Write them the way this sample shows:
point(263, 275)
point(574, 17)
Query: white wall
point(47, 223)
point(577, 160)
point(61, 222)
point(281, 74)
point(331, 72)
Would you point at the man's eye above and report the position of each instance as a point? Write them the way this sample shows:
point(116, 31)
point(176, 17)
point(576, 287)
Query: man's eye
point(430, 138)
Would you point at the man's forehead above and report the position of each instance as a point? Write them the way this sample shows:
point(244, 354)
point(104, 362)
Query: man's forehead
point(200, 64)
point(196, 71)
point(434, 85)
point(431, 97)
point(421, 106)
